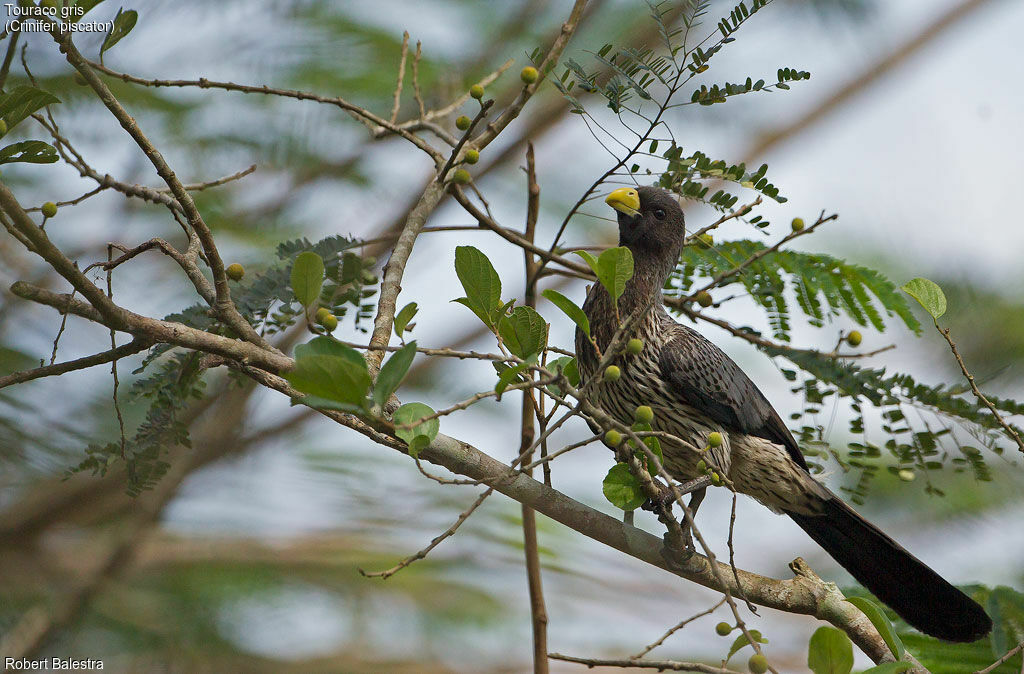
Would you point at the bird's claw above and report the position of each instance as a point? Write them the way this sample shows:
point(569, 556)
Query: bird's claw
point(662, 503)
point(677, 552)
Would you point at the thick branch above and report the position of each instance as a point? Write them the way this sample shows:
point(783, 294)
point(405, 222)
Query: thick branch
point(156, 330)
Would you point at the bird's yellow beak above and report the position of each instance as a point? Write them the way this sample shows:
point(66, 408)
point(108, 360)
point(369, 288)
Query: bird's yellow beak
point(625, 200)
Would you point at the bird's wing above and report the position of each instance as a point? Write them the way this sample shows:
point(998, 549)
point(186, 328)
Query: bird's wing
point(709, 380)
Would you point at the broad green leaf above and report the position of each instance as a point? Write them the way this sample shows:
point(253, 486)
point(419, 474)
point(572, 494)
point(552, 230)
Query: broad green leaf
point(928, 294)
point(420, 434)
point(403, 317)
point(481, 283)
point(622, 488)
point(392, 373)
point(29, 151)
point(326, 369)
point(889, 668)
point(589, 259)
point(21, 102)
point(570, 309)
point(507, 375)
point(830, 652)
point(614, 269)
point(523, 332)
point(881, 623)
point(567, 365)
point(741, 642)
point(123, 24)
point(307, 277)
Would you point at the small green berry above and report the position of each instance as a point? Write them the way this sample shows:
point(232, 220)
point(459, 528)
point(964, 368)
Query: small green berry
point(723, 629)
point(702, 467)
point(797, 224)
point(234, 271)
point(3, 127)
point(476, 91)
point(330, 322)
point(462, 123)
point(321, 314)
point(906, 475)
point(715, 439)
point(49, 209)
point(472, 156)
point(529, 74)
point(757, 664)
point(612, 373)
point(716, 479)
point(854, 338)
point(461, 177)
point(704, 298)
point(613, 438)
point(644, 414)
point(634, 346)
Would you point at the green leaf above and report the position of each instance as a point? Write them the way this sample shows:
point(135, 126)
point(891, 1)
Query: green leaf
point(307, 277)
point(622, 488)
point(741, 642)
point(652, 444)
point(21, 102)
point(327, 369)
point(403, 317)
point(570, 309)
point(928, 294)
point(589, 259)
point(507, 375)
point(420, 434)
point(567, 365)
point(123, 24)
point(392, 373)
point(889, 668)
point(881, 623)
point(614, 268)
point(523, 332)
point(481, 283)
point(29, 151)
point(831, 652)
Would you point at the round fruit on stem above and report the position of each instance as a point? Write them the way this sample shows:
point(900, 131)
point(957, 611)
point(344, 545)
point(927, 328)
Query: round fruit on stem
point(612, 373)
point(529, 75)
point(643, 414)
point(613, 438)
point(704, 299)
point(476, 91)
point(235, 271)
point(854, 338)
point(723, 629)
point(634, 346)
point(463, 123)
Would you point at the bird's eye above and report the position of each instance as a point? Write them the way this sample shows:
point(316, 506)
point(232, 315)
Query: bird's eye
point(659, 213)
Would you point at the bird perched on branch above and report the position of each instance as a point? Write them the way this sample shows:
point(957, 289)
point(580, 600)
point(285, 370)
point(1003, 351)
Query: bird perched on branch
point(696, 390)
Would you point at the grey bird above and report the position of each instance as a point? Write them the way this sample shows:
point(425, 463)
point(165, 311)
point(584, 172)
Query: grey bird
point(695, 389)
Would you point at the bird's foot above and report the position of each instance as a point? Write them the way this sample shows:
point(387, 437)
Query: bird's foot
point(677, 552)
point(662, 503)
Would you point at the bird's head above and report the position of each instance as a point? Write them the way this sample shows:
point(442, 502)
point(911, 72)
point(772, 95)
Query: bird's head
point(650, 225)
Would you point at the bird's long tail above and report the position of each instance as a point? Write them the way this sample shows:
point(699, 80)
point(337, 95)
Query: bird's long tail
point(919, 595)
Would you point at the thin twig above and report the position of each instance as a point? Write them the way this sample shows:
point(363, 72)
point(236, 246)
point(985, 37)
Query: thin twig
point(448, 533)
point(1006, 656)
point(660, 665)
point(974, 387)
point(675, 628)
point(401, 77)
